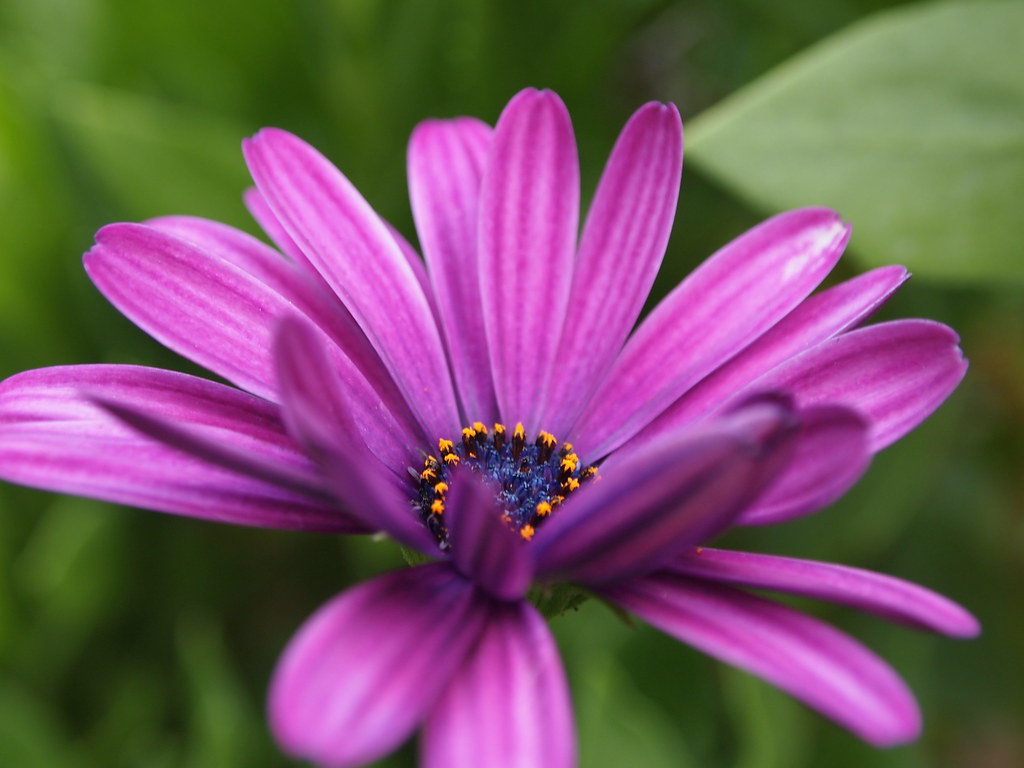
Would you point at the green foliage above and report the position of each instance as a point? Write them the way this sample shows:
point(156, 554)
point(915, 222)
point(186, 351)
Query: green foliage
point(911, 124)
point(133, 639)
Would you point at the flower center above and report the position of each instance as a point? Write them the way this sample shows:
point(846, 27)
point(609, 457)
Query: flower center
point(532, 478)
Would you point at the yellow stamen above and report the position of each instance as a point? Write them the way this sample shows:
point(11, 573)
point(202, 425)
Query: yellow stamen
point(479, 427)
point(543, 509)
point(441, 489)
point(499, 436)
point(445, 446)
point(437, 507)
point(451, 459)
point(571, 484)
point(526, 532)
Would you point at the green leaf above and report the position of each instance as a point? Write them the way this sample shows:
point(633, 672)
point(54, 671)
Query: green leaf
point(619, 720)
point(226, 729)
point(154, 157)
point(71, 569)
point(31, 734)
point(768, 725)
point(910, 124)
point(32, 227)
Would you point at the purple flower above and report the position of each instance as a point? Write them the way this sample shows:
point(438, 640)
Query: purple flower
point(496, 411)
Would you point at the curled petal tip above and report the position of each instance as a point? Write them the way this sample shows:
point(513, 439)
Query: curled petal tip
point(963, 625)
point(663, 108)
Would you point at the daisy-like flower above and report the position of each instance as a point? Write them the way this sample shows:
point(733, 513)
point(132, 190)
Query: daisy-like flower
point(495, 410)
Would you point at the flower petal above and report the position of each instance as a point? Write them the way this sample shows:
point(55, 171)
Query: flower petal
point(885, 596)
point(204, 308)
point(352, 248)
point(622, 246)
point(819, 318)
point(895, 373)
point(483, 547)
point(329, 423)
point(53, 436)
point(238, 247)
point(830, 455)
point(730, 300)
point(817, 664)
point(260, 211)
point(446, 164)
point(646, 507)
point(208, 309)
point(303, 290)
point(214, 449)
point(529, 214)
point(419, 269)
point(365, 669)
point(508, 706)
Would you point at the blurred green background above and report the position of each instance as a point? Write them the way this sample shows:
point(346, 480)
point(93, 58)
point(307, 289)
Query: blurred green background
point(136, 639)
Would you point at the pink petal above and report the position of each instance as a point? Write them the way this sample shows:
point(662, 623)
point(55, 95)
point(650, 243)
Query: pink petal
point(209, 310)
point(261, 212)
point(202, 307)
point(885, 596)
point(233, 245)
point(352, 248)
point(529, 213)
point(648, 506)
point(446, 164)
point(368, 667)
point(830, 455)
point(328, 422)
point(264, 216)
point(817, 319)
point(53, 436)
point(483, 547)
point(508, 706)
point(623, 242)
point(212, 448)
point(817, 664)
point(730, 300)
point(304, 291)
point(415, 262)
point(896, 374)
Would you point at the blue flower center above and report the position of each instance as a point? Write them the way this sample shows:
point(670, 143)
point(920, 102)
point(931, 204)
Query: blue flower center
point(532, 478)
